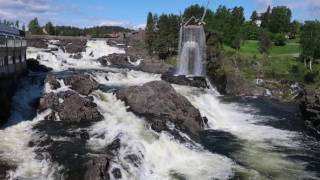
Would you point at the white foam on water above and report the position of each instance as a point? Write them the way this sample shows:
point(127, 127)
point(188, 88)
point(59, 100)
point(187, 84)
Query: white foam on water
point(60, 60)
point(126, 78)
point(18, 133)
point(162, 157)
point(99, 48)
point(259, 141)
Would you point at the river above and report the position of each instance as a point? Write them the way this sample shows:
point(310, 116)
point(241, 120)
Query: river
point(247, 137)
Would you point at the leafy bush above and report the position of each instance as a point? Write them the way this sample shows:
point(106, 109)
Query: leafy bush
point(280, 40)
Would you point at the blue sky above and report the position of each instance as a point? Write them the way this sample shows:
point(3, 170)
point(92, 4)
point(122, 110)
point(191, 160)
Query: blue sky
point(132, 13)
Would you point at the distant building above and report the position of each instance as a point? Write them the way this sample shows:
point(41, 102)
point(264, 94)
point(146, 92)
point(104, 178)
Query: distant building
point(12, 51)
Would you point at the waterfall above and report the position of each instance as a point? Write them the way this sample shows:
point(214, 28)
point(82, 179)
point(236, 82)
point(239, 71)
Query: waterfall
point(192, 51)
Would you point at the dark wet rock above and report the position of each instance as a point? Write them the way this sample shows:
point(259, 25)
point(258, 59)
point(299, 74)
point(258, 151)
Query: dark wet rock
point(133, 159)
point(234, 84)
point(73, 46)
point(70, 150)
point(72, 108)
point(76, 56)
point(183, 80)
point(116, 172)
point(114, 146)
point(37, 43)
point(76, 109)
point(157, 68)
point(282, 90)
point(53, 82)
point(35, 66)
point(4, 169)
point(81, 83)
point(161, 104)
point(48, 101)
point(116, 60)
point(84, 135)
point(310, 109)
point(97, 169)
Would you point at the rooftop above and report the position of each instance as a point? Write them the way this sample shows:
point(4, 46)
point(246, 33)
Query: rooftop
point(9, 30)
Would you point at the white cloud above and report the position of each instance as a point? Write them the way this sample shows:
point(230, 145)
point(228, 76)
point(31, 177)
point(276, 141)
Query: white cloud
point(125, 24)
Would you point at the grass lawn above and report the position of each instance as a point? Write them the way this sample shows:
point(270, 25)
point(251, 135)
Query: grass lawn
point(281, 63)
point(250, 47)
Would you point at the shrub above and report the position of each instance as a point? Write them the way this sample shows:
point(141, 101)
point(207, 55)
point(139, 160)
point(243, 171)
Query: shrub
point(280, 40)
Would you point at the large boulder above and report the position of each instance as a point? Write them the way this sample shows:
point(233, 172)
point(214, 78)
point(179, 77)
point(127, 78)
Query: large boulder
point(310, 109)
point(81, 83)
point(117, 60)
point(73, 46)
point(70, 107)
point(161, 104)
point(78, 109)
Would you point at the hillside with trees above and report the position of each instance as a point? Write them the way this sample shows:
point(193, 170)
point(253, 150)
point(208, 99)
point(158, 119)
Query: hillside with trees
point(269, 45)
point(35, 28)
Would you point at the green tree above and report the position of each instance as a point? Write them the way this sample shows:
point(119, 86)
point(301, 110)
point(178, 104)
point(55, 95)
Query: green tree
point(280, 19)
point(167, 37)
point(254, 17)
point(50, 28)
point(193, 11)
point(265, 18)
point(310, 42)
point(265, 43)
point(250, 31)
point(236, 42)
point(150, 33)
point(294, 29)
point(34, 27)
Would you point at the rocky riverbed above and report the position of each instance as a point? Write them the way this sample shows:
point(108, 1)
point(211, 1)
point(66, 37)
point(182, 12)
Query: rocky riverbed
point(101, 117)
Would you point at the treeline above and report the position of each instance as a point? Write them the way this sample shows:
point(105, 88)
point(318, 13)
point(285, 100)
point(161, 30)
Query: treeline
point(229, 26)
point(96, 32)
point(14, 24)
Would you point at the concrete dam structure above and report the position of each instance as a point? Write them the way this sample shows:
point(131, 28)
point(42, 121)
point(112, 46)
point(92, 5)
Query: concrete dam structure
point(12, 64)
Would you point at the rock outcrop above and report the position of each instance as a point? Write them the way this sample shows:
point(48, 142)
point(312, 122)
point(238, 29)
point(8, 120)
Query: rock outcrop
point(183, 80)
point(161, 105)
point(157, 68)
point(53, 82)
point(73, 46)
point(37, 43)
point(71, 152)
point(310, 109)
point(116, 60)
point(234, 84)
point(72, 109)
point(34, 65)
point(81, 83)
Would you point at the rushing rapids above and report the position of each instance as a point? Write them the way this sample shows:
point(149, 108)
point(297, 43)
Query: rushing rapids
point(246, 138)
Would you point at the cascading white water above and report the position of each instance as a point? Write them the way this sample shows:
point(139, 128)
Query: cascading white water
point(162, 156)
point(192, 51)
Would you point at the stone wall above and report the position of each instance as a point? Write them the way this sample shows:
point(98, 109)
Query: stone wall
point(7, 88)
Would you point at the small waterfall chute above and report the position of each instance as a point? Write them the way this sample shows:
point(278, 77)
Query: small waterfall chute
point(192, 51)
point(192, 48)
